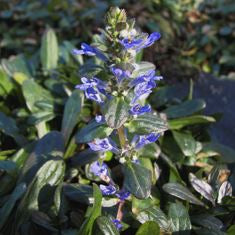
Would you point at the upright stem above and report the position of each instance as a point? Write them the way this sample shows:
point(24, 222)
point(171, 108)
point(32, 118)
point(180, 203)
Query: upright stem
point(121, 136)
point(120, 213)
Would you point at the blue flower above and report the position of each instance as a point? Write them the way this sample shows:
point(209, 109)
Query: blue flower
point(94, 88)
point(117, 224)
point(146, 139)
point(140, 42)
point(123, 195)
point(105, 144)
point(144, 85)
point(99, 169)
point(107, 189)
point(138, 109)
point(99, 119)
point(90, 51)
point(120, 74)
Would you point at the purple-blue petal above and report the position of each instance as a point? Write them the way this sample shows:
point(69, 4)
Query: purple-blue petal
point(107, 189)
point(117, 224)
point(138, 109)
point(98, 168)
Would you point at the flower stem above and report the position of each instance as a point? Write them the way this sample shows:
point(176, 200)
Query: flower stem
point(121, 136)
point(120, 213)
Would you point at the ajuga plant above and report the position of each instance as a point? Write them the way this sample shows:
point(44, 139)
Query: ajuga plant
point(124, 121)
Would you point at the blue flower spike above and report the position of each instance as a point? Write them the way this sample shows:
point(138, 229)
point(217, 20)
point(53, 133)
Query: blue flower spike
point(146, 139)
point(90, 51)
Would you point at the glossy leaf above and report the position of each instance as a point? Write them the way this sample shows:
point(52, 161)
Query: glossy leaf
point(116, 112)
point(186, 108)
point(149, 227)
point(50, 146)
point(186, 142)
point(137, 180)
point(51, 174)
point(92, 131)
point(202, 187)
point(181, 192)
point(224, 190)
point(179, 218)
point(104, 226)
point(154, 214)
point(71, 113)
point(147, 123)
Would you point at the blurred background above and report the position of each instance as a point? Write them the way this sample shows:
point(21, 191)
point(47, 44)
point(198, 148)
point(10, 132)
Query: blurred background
point(197, 42)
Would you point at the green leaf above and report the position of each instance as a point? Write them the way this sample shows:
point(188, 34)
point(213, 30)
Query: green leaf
point(104, 226)
point(8, 127)
point(149, 227)
point(116, 112)
point(87, 226)
point(226, 153)
point(186, 108)
point(231, 230)
point(179, 123)
point(17, 64)
point(50, 146)
point(71, 113)
point(78, 192)
point(9, 167)
point(84, 157)
point(181, 192)
point(147, 123)
point(179, 218)
point(137, 180)
point(8, 206)
point(207, 221)
point(50, 174)
point(34, 93)
point(186, 142)
point(49, 51)
point(92, 131)
point(154, 214)
point(5, 83)
point(202, 187)
point(167, 94)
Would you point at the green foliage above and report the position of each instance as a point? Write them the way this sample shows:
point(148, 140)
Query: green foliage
point(45, 183)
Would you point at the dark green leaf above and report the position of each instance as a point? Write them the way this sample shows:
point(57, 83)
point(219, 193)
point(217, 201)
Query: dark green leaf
point(179, 218)
point(51, 145)
point(137, 180)
point(207, 221)
point(84, 157)
point(149, 227)
point(104, 226)
point(9, 167)
point(87, 226)
point(227, 154)
point(186, 108)
point(49, 51)
point(179, 123)
point(8, 127)
point(10, 203)
point(186, 142)
point(50, 174)
point(147, 123)
point(182, 192)
point(154, 214)
point(71, 113)
point(116, 112)
point(78, 192)
point(92, 131)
